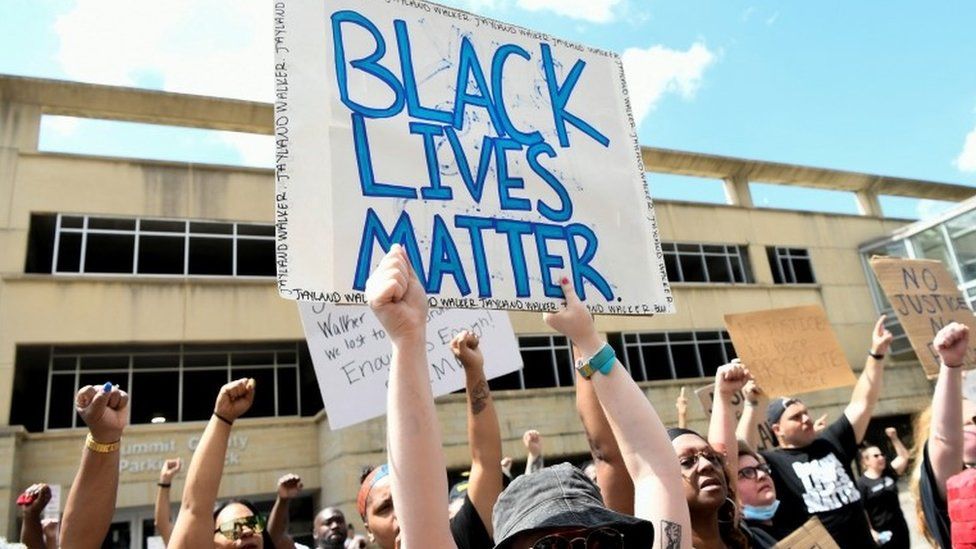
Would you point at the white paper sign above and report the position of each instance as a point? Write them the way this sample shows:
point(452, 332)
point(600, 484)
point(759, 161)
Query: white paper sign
point(351, 354)
point(155, 542)
point(501, 158)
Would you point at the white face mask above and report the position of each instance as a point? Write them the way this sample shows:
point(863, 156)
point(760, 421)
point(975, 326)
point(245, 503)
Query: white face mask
point(761, 512)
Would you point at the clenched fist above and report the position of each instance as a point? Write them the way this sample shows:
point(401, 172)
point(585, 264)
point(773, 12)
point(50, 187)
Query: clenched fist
point(235, 399)
point(105, 410)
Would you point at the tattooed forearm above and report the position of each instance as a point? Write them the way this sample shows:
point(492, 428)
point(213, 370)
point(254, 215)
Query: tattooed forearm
point(479, 395)
point(670, 535)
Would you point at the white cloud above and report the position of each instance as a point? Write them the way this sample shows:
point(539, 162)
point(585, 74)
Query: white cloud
point(926, 208)
point(255, 150)
point(966, 161)
point(595, 11)
point(63, 126)
point(657, 70)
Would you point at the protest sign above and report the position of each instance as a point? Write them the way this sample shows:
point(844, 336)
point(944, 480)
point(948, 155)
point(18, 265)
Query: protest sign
point(925, 298)
point(706, 395)
point(812, 535)
point(501, 158)
point(790, 351)
point(351, 355)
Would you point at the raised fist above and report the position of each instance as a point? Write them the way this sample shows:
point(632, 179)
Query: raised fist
point(880, 337)
point(36, 496)
point(465, 349)
point(506, 464)
point(234, 399)
point(397, 297)
point(533, 442)
point(168, 471)
point(891, 432)
point(289, 486)
point(753, 392)
point(105, 410)
point(731, 378)
point(951, 343)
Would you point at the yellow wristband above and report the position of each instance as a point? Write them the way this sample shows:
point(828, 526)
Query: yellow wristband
point(96, 446)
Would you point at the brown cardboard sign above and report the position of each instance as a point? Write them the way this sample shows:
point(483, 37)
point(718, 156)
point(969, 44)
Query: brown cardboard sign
point(812, 535)
point(790, 351)
point(925, 298)
point(706, 396)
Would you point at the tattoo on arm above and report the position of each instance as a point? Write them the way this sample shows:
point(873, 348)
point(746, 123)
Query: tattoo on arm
point(670, 535)
point(479, 396)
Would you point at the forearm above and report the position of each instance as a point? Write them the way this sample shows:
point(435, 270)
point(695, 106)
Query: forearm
point(194, 525)
point(945, 442)
point(865, 397)
point(278, 523)
point(748, 426)
point(721, 431)
point(91, 501)
point(161, 514)
point(416, 460)
point(484, 434)
point(31, 532)
point(682, 419)
point(902, 455)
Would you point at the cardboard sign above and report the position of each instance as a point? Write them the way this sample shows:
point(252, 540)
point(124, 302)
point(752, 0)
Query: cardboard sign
point(812, 535)
point(501, 158)
point(706, 395)
point(790, 351)
point(351, 354)
point(925, 298)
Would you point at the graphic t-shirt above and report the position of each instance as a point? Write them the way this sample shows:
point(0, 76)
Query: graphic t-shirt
point(880, 497)
point(468, 529)
point(817, 480)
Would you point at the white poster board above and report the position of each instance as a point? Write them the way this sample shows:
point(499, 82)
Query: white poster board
point(351, 354)
point(503, 159)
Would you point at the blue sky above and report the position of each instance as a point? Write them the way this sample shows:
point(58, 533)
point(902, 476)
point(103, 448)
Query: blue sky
point(880, 88)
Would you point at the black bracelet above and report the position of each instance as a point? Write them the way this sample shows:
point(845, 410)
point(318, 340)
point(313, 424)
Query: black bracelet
point(222, 418)
point(876, 356)
point(164, 484)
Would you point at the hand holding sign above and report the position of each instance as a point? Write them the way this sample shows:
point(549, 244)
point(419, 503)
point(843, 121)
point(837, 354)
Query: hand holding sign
point(104, 410)
point(397, 298)
point(465, 349)
point(952, 344)
point(575, 321)
point(234, 399)
point(880, 337)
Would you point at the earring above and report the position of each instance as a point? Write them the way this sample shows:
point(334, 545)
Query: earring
point(733, 511)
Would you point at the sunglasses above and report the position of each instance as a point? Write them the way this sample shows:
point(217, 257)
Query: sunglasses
point(602, 538)
point(689, 462)
point(233, 530)
point(752, 473)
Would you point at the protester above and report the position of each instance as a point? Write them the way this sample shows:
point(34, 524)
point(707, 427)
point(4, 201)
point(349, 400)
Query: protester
point(879, 488)
point(757, 493)
point(201, 523)
point(681, 405)
point(506, 464)
point(32, 503)
point(354, 540)
point(161, 514)
point(289, 488)
point(945, 437)
point(534, 461)
point(91, 500)
point(812, 471)
point(329, 529)
point(756, 400)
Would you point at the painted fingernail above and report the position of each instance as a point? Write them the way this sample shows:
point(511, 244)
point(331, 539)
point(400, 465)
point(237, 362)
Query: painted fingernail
point(565, 280)
point(107, 388)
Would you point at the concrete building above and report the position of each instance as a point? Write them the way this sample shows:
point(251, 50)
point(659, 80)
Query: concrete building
point(159, 276)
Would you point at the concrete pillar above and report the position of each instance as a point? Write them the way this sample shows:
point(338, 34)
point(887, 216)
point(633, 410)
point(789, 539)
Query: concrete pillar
point(20, 126)
point(737, 191)
point(868, 204)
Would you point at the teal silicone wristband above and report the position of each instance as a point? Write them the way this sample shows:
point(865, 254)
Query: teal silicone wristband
point(604, 359)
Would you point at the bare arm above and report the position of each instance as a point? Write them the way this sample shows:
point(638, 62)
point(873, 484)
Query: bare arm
point(534, 460)
point(900, 463)
point(611, 474)
point(161, 514)
point(641, 436)
point(681, 405)
point(289, 487)
point(868, 387)
point(31, 531)
point(91, 501)
point(195, 525)
point(752, 413)
point(414, 440)
point(729, 379)
point(945, 444)
point(484, 434)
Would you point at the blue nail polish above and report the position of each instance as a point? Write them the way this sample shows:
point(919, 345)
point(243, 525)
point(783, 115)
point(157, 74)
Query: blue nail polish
point(107, 388)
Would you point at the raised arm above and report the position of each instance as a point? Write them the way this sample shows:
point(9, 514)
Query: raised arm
point(161, 514)
point(31, 531)
point(484, 435)
point(91, 501)
point(729, 379)
point(534, 461)
point(611, 473)
point(644, 443)
point(195, 524)
point(417, 467)
point(900, 463)
point(681, 405)
point(945, 444)
point(289, 487)
point(868, 388)
point(752, 413)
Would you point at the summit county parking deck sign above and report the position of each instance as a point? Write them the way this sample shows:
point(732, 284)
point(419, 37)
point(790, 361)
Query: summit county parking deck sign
point(501, 158)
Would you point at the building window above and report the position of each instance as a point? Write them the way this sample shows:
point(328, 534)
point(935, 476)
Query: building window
point(173, 383)
point(790, 265)
point(706, 262)
point(650, 356)
point(67, 244)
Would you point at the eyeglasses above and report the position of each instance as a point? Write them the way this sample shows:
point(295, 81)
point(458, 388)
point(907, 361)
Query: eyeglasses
point(233, 530)
point(752, 473)
point(689, 462)
point(603, 538)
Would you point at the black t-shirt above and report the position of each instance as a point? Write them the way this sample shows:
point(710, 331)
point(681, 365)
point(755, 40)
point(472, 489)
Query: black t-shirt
point(880, 497)
point(817, 480)
point(468, 530)
point(934, 506)
point(760, 536)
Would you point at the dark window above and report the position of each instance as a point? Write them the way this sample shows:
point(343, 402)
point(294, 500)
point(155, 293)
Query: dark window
point(670, 355)
point(211, 256)
point(161, 254)
point(790, 265)
point(153, 396)
point(538, 370)
point(264, 400)
point(706, 263)
point(506, 382)
point(255, 257)
point(109, 253)
point(40, 243)
point(69, 253)
point(287, 392)
point(200, 388)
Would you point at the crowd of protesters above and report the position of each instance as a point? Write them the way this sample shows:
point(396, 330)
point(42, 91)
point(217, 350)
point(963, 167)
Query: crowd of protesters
point(647, 485)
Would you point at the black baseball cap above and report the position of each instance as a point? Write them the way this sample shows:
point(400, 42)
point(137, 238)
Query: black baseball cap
point(776, 408)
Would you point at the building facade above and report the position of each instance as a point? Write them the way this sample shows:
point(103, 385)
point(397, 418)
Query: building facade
point(159, 276)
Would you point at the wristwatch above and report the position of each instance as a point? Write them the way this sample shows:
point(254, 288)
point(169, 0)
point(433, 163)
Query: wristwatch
point(601, 362)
